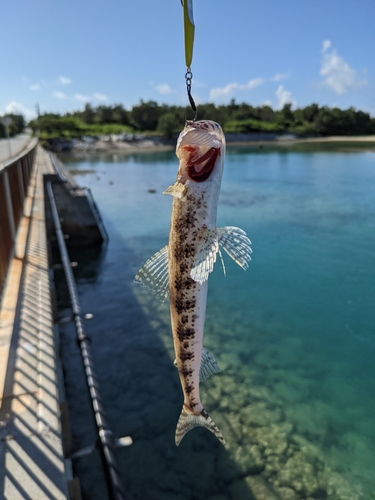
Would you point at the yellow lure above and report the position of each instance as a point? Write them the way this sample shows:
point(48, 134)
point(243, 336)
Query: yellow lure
point(189, 29)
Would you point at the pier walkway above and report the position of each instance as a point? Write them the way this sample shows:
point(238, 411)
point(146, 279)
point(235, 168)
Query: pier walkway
point(32, 464)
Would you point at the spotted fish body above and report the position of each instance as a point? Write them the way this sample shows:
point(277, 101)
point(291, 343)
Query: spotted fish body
point(183, 266)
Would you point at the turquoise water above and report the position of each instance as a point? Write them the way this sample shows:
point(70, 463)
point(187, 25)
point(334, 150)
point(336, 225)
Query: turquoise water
point(294, 334)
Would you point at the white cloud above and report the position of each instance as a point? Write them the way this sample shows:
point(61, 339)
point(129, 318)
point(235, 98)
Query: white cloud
point(279, 76)
point(326, 45)
point(59, 95)
point(232, 87)
point(283, 97)
point(164, 89)
point(64, 81)
point(267, 102)
point(17, 107)
point(83, 98)
point(228, 89)
point(100, 97)
point(337, 73)
point(34, 87)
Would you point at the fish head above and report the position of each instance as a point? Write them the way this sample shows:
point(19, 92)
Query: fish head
point(201, 149)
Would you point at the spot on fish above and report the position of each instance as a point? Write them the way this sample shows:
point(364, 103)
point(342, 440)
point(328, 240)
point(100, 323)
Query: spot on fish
point(186, 355)
point(179, 305)
point(190, 219)
point(186, 372)
point(179, 253)
point(189, 283)
point(189, 250)
point(184, 305)
point(189, 388)
point(184, 333)
point(183, 267)
point(192, 404)
point(179, 283)
point(190, 304)
point(184, 319)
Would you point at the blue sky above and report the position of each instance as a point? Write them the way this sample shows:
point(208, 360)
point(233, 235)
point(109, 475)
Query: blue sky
point(64, 53)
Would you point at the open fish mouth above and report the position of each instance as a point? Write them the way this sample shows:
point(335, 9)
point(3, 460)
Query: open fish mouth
point(199, 146)
point(199, 169)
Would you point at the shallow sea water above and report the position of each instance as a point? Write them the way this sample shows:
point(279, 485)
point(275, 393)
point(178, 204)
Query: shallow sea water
point(294, 334)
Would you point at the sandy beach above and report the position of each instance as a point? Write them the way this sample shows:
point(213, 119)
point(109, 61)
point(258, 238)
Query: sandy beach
point(340, 138)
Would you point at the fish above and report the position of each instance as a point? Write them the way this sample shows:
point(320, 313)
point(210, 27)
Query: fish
point(181, 269)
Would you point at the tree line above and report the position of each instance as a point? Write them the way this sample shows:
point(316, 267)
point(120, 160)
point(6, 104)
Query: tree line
point(17, 125)
point(168, 120)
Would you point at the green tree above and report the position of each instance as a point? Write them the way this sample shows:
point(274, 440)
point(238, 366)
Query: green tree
point(88, 114)
point(53, 125)
point(120, 115)
point(287, 113)
point(167, 125)
point(104, 114)
point(309, 112)
point(16, 127)
point(169, 120)
point(251, 125)
point(266, 113)
point(145, 116)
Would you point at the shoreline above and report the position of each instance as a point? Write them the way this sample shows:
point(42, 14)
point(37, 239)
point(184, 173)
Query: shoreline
point(151, 145)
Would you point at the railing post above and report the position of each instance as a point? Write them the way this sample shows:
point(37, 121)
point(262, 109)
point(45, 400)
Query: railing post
point(24, 172)
point(8, 201)
point(20, 181)
point(15, 175)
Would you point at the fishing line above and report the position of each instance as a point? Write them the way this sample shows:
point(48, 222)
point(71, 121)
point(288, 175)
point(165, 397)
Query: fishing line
point(189, 29)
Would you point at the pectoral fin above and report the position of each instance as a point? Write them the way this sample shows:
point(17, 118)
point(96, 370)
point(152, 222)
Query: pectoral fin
point(237, 245)
point(177, 190)
point(205, 257)
point(232, 239)
point(154, 274)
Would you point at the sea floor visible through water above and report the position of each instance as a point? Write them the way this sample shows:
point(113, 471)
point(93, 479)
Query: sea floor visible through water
point(294, 335)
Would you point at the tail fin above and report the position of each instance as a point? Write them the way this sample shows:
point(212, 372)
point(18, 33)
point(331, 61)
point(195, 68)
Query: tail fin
point(188, 421)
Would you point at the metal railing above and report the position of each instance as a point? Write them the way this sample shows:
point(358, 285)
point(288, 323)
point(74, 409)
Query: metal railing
point(15, 176)
point(106, 440)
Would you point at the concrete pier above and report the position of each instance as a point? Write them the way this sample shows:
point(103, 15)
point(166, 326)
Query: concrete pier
point(32, 464)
